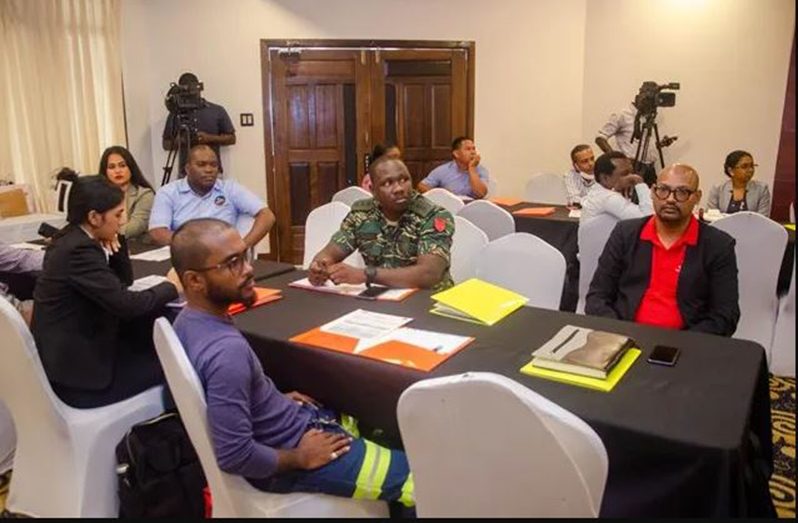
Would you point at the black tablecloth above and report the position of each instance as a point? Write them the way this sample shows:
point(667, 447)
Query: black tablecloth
point(677, 438)
point(559, 231)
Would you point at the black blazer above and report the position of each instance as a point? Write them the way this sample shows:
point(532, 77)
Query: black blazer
point(706, 293)
point(79, 301)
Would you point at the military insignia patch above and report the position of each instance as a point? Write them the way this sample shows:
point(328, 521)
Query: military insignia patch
point(439, 224)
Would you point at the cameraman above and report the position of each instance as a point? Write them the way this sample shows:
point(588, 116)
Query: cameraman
point(212, 125)
point(621, 126)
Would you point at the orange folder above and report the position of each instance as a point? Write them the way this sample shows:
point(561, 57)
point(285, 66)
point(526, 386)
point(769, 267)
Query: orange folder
point(262, 296)
point(535, 211)
point(390, 351)
point(507, 202)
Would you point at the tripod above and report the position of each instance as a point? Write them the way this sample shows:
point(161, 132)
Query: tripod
point(181, 137)
point(643, 134)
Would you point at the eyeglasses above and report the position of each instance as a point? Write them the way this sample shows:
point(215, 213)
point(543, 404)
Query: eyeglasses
point(681, 194)
point(234, 264)
point(746, 166)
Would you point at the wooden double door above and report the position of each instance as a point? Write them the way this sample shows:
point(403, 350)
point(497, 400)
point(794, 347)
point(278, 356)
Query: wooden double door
point(327, 105)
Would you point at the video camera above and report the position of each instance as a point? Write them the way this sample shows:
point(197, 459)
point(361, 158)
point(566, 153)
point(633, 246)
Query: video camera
point(184, 97)
point(651, 96)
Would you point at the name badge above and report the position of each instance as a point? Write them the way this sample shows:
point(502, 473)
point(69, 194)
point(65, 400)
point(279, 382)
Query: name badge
point(219, 200)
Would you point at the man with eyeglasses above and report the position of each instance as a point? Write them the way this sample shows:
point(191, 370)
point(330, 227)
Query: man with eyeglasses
point(615, 189)
point(278, 442)
point(669, 270)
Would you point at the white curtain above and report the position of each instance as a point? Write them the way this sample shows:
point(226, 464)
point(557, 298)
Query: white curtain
point(61, 98)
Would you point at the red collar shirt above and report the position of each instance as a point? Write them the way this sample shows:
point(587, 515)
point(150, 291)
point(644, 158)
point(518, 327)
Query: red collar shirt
point(659, 306)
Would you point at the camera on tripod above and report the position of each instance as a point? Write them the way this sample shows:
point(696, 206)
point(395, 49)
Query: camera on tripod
point(651, 96)
point(184, 98)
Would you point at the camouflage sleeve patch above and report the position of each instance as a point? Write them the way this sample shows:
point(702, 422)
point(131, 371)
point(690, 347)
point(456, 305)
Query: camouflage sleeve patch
point(345, 236)
point(435, 235)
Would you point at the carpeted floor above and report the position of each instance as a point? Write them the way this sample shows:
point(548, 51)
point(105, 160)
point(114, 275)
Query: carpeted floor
point(782, 484)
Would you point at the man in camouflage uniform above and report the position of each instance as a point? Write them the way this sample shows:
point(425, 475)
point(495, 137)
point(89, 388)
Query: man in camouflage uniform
point(404, 238)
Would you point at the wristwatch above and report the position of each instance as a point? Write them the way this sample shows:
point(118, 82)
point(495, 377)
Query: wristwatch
point(371, 275)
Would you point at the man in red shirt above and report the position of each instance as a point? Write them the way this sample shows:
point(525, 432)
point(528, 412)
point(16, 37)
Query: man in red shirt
point(669, 270)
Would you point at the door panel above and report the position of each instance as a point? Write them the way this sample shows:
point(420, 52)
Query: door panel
point(329, 107)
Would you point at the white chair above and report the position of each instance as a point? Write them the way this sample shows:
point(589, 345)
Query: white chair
point(467, 243)
point(482, 445)
point(760, 249)
point(232, 495)
point(792, 212)
point(493, 188)
point(8, 439)
point(65, 461)
point(546, 188)
point(445, 199)
point(527, 265)
point(322, 222)
point(782, 362)
point(350, 195)
point(492, 219)
point(591, 237)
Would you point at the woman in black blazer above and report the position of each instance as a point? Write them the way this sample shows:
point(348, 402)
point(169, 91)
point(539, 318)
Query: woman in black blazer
point(94, 336)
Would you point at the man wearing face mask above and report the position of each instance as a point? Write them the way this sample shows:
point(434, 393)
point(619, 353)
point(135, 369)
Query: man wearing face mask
point(580, 178)
point(404, 238)
point(669, 270)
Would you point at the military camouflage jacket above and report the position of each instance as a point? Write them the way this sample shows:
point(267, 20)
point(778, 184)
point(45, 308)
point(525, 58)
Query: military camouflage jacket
point(424, 228)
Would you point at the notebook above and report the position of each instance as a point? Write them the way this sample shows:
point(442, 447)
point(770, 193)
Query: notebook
point(507, 202)
point(477, 301)
point(604, 385)
point(578, 350)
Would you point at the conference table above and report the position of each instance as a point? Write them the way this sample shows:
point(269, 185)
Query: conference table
point(688, 440)
point(560, 231)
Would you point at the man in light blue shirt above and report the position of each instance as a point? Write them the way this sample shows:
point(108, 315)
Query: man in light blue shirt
point(462, 176)
point(202, 195)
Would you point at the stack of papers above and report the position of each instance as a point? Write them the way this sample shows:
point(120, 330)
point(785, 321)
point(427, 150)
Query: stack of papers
point(147, 282)
point(477, 301)
point(384, 337)
point(155, 255)
point(351, 290)
point(507, 202)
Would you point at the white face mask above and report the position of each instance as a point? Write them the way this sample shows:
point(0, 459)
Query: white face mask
point(587, 177)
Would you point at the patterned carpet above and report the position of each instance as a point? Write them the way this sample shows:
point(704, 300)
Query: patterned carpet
point(782, 484)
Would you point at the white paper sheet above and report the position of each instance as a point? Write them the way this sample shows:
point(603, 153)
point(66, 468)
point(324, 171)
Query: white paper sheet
point(155, 255)
point(365, 325)
point(147, 282)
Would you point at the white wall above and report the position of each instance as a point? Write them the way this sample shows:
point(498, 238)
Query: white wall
point(547, 71)
point(528, 73)
point(730, 56)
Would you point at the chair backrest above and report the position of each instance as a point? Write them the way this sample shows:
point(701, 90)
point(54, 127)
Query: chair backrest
point(760, 249)
point(482, 445)
point(350, 195)
point(493, 188)
point(445, 199)
point(467, 243)
point(492, 219)
point(322, 222)
point(190, 399)
point(592, 235)
point(40, 417)
point(62, 190)
point(546, 188)
point(527, 265)
point(792, 212)
point(782, 362)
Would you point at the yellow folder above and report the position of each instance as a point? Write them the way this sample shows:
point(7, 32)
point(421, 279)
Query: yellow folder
point(606, 385)
point(477, 301)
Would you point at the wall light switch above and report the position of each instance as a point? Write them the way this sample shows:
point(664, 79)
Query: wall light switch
point(247, 120)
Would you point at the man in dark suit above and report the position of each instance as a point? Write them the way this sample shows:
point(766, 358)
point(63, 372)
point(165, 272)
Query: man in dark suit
point(669, 270)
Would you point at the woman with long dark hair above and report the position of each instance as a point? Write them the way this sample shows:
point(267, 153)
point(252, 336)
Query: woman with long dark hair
point(93, 334)
point(121, 169)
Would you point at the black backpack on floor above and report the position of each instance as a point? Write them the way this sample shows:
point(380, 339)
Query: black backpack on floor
point(158, 472)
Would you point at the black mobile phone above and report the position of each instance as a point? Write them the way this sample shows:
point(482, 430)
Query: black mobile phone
point(664, 355)
point(371, 293)
point(46, 230)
